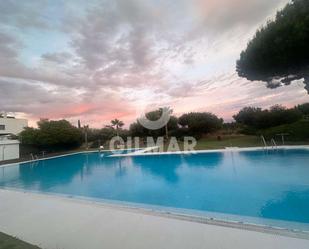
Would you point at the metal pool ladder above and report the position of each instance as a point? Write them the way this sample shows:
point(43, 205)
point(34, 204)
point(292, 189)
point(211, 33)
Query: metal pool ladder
point(273, 143)
point(264, 142)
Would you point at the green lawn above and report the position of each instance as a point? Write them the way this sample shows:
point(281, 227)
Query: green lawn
point(241, 141)
point(228, 141)
point(8, 242)
point(211, 143)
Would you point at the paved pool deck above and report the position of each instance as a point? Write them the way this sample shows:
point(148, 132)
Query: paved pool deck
point(62, 223)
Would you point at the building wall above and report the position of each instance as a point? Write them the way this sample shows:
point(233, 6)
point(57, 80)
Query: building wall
point(12, 125)
point(9, 149)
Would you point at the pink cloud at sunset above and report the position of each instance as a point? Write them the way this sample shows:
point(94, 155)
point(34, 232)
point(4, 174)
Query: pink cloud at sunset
point(99, 60)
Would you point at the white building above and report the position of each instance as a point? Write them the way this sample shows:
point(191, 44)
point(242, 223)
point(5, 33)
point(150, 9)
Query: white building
point(9, 149)
point(11, 125)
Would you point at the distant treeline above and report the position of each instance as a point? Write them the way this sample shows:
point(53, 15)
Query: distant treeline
point(61, 135)
point(277, 115)
point(294, 122)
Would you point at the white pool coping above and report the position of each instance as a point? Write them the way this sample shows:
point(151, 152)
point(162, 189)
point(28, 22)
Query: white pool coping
point(58, 156)
point(56, 222)
point(235, 149)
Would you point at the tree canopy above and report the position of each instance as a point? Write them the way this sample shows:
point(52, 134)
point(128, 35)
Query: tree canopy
point(52, 135)
point(136, 129)
point(194, 123)
point(304, 108)
point(260, 119)
point(117, 123)
point(200, 122)
point(279, 52)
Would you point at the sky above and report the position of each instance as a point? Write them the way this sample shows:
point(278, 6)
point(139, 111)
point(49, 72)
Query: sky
point(98, 60)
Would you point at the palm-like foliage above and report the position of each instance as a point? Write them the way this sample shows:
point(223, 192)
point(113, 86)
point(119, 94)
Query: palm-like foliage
point(117, 124)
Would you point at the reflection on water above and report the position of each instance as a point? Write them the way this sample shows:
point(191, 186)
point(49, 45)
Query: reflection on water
point(207, 160)
point(42, 174)
point(164, 167)
point(272, 184)
point(295, 203)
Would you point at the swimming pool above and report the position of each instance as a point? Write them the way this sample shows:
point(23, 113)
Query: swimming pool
point(264, 187)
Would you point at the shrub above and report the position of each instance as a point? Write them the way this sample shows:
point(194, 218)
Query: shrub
point(52, 135)
point(256, 118)
point(199, 123)
point(304, 108)
point(137, 130)
point(298, 131)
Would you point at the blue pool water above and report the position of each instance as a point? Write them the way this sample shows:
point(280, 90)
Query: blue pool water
point(250, 185)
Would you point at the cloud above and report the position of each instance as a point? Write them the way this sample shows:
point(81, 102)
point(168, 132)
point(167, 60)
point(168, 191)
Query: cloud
point(222, 15)
point(23, 14)
point(59, 57)
point(226, 94)
point(39, 100)
point(116, 36)
point(9, 47)
point(113, 57)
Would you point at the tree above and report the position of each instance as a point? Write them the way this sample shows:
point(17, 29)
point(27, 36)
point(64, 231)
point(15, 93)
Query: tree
point(117, 124)
point(136, 129)
point(52, 135)
point(98, 137)
point(248, 116)
point(279, 52)
point(29, 136)
point(199, 123)
point(259, 119)
point(304, 108)
point(171, 124)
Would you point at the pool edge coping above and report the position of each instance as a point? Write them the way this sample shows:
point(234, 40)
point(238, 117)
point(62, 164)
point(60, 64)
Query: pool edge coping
point(228, 149)
point(58, 156)
point(266, 229)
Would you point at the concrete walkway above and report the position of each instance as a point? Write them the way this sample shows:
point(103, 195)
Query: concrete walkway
point(61, 223)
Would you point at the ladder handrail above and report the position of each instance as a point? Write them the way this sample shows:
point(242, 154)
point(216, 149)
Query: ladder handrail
point(273, 142)
point(264, 142)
